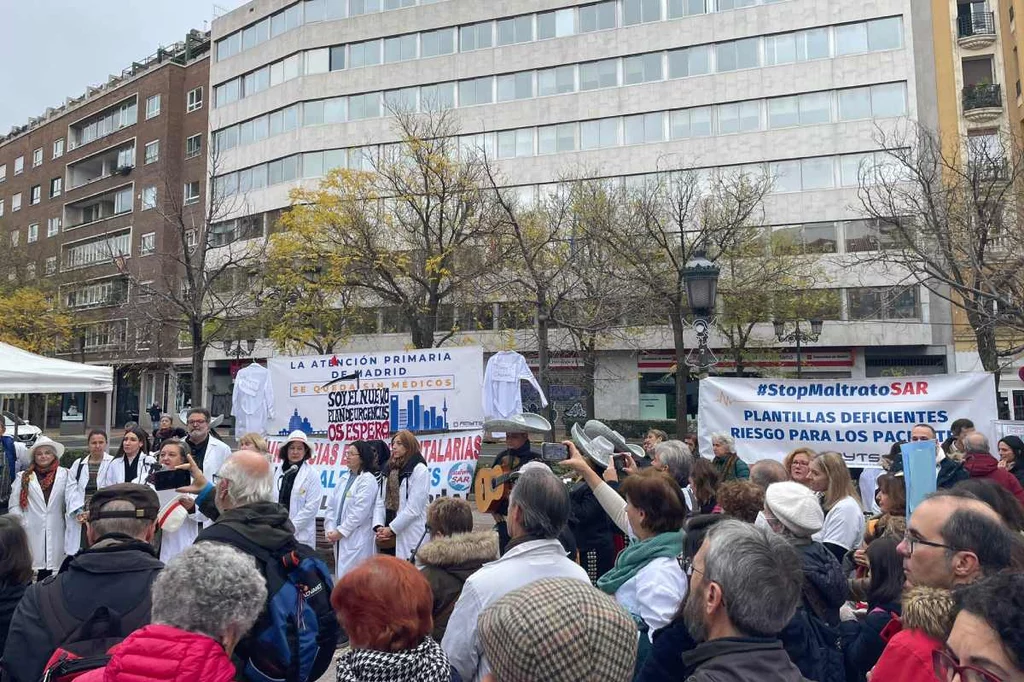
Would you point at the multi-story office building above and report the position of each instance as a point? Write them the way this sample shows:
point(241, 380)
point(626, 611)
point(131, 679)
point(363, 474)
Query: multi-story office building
point(795, 88)
point(83, 189)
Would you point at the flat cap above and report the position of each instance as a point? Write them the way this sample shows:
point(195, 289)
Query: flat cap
point(144, 498)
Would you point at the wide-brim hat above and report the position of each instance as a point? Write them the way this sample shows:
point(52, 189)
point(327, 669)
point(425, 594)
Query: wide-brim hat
point(527, 422)
point(598, 450)
point(595, 428)
point(49, 442)
point(296, 437)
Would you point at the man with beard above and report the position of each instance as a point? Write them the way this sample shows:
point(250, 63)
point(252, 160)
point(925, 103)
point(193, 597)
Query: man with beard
point(208, 451)
point(744, 587)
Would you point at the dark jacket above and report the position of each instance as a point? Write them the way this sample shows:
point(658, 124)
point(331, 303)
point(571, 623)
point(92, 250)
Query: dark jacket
point(112, 573)
point(950, 473)
point(987, 466)
point(825, 590)
point(592, 528)
point(737, 472)
point(664, 663)
point(740, 659)
point(10, 596)
point(862, 641)
point(447, 563)
point(1018, 472)
point(10, 454)
point(159, 437)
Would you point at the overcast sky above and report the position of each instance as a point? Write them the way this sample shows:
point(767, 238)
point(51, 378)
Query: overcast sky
point(52, 49)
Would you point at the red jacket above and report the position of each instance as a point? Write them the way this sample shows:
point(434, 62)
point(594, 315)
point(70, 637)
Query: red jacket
point(907, 658)
point(160, 653)
point(986, 466)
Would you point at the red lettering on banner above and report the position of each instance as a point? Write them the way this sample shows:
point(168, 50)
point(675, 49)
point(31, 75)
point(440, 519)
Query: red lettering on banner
point(366, 431)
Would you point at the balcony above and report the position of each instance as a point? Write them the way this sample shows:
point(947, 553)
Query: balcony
point(114, 161)
point(98, 207)
point(982, 102)
point(976, 30)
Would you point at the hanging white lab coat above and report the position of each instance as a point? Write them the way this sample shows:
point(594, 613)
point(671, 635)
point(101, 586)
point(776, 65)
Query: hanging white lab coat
point(501, 392)
point(307, 493)
point(51, 526)
point(80, 471)
point(411, 520)
point(354, 522)
point(115, 471)
point(252, 400)
point(173, 544)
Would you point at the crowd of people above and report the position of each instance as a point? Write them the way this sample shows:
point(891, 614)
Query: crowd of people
point(649, 564)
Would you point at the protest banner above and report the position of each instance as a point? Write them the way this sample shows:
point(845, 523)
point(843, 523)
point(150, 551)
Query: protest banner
point(859, 418)
point(451, 459)
point(1003, 427)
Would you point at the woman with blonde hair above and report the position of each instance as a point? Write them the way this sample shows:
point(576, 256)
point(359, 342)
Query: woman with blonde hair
point(798, 464)
point(844, 518)
point(257, 443)
point(406, 483)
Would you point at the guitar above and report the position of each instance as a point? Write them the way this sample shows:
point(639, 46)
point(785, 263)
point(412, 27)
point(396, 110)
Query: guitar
point(492, 487)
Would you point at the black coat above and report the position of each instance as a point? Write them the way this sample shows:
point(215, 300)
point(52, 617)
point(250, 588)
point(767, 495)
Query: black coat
point(664, 663)
point(592, 528)
point(10, 596)
point(862, 641)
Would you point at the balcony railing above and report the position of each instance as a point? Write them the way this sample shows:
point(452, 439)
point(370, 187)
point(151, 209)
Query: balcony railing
point(976, 24)
point(982, 96)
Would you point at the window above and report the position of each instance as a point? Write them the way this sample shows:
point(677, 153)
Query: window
point(153, 151)
point(557, 138)
point(737, 54)
point(816, 173)
point(191, 192)
point(152, 106)
point(885, 34)
point(148, 198)
point(3, 172)
point(1, 208)
point(476, 36)
point(800, 46)
point(692, 61)
point(33, 232)
point(58, 148)
point(435, 43)
point(193, 145)
point(851, 166)
point(739, 117)
point(557, 24)
point(597, 17)
point(883, 303)
point(642, 68)
point(643, 128)
point(364, 106)
point(437, 97)
point(599, 134)
point(227, 92)
point(724, 5)
point(854, 103)
point(515, 30)
point(50, 265)
point(685, 8)
point(401, 100)
point(15, 237)
point(318, 61)
point(123, 200)
point(19, 165)
point(147, 244)
point(364, 54)
point(783, 112)
point(476, 91)
point(556, 81)
point(194, 99)
point(603, 74)
point(888, 100)
point(640, 11)
point(35, 195)
point(400, 49)
point(785, 176)
point(515, 86)
point(56, 187)
point(16, 202)
point(815, 107)
point(37, 157)
point(52, 226)
point(690, 123)
point(30, 270)
point(513, 143)
point(337, 58)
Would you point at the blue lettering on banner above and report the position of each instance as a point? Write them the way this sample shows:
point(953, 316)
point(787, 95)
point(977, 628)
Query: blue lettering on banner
point(839, 389)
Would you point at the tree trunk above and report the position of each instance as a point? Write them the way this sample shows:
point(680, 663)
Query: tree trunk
point(988, 353)
point(589, 354)
point(543, 362)
point(682, 374)
point(198, 353)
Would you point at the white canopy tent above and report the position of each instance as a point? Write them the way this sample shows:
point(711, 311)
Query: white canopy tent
point(25, 372)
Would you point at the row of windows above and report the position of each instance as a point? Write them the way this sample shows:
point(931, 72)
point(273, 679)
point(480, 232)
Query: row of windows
point(111, 291)
point(877, 101)
point(746, 53)
point(96, 250)
point(557, 23)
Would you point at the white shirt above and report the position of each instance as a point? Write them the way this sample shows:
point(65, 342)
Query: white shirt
point(654, 593)
point(844, 524)
point(252, 400)
point(502, 394)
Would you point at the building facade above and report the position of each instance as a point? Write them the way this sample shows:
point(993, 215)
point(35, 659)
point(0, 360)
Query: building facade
point(794, 88)
point(86, 190)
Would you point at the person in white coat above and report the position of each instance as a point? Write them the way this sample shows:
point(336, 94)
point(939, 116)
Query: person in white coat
point(297, 486)
point(350, 506)
point(88, 471)
point(177, 530)
point(46, 499)
point(208, 451)
point(406, 495)
point(133, 462)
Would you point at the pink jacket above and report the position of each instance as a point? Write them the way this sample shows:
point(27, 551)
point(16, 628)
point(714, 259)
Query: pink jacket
point(160, 653)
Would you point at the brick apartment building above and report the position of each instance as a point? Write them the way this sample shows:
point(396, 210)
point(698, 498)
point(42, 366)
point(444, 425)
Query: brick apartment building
point(86, 189)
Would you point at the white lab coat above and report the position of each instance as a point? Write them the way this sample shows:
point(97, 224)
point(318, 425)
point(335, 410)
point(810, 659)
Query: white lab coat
point(654, 593)
point(51, 527)
point(354, 522)
point(520, 566)
point(502, 395)
point(173, 544)
point(410, 522)
point(307, 493)
point(216, 452)
point(115, 471)
point(80, 471)
point(252, 400)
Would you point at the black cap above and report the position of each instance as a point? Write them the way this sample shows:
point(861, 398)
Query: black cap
point(144, 499)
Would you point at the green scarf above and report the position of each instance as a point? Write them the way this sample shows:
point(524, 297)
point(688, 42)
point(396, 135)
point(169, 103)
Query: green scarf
point(638, 555)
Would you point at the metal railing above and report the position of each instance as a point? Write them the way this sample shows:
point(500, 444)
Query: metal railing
point(982, 96)
point(976, 24)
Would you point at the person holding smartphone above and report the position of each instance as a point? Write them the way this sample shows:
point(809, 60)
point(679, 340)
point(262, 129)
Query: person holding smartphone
point(177, 530)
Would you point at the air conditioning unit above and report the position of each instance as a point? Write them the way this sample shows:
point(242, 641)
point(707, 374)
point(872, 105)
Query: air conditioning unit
point(123, 170)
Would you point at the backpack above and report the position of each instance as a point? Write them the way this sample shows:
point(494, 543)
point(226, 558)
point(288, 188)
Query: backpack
point(294, 638)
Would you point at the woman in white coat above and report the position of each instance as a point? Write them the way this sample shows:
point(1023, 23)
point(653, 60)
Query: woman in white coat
point(177, 530)
point(88, 472)
point(133, 462)
point(406, 493)
point(297, 487)
point(46, 499)
point(350, 507)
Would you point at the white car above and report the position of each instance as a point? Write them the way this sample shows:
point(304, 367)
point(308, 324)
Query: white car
point(26, 433)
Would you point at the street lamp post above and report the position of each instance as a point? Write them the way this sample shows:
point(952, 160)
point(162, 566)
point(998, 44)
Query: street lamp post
point(700, 277)
point(798, 336)
point(235, 350)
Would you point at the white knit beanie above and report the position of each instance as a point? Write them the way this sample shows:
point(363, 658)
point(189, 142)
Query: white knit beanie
point(796, 507)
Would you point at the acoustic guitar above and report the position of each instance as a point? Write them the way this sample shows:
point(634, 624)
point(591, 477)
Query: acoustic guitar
point(493, 486)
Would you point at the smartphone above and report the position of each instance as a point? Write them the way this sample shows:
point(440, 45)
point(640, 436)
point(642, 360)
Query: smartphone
point(620, 462)
point(171, 479)
point(554, 452)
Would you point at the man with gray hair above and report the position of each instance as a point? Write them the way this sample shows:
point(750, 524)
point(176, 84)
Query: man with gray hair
point(206, 599)
point(745, 585)
point(538, 511)
point(979, 463)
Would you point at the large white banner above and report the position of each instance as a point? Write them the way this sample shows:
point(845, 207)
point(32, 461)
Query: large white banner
point(859, 418)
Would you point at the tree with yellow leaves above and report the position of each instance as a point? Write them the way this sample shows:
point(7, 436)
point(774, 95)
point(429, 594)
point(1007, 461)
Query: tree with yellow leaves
point(32, 321)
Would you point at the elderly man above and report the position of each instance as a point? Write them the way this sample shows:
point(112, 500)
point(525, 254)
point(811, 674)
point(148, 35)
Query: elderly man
point(538, 511)
point(208, 451)
point(198, 618)
point(116, 572)
point(744, 588)
point(980, 463)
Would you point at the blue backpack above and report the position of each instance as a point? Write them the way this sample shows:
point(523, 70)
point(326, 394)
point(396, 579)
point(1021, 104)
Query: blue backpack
point(295, 637)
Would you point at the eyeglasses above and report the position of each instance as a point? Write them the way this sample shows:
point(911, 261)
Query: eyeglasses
point(911, 541)
point(217, 478)
point(686, 564)
point(946, 668)
point(201, 422)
